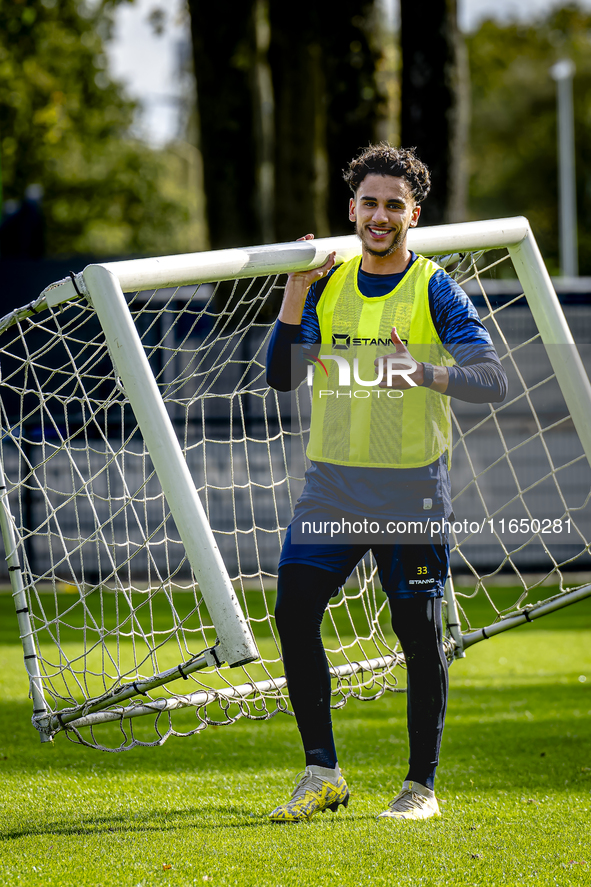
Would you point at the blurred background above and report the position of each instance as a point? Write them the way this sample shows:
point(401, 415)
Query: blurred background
point(141, 127)
point(153, 127)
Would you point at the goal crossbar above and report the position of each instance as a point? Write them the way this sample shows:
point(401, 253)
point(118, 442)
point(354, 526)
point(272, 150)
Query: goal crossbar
point(260, 261)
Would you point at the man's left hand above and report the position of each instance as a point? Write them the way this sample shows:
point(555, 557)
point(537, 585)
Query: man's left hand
point(400, 370)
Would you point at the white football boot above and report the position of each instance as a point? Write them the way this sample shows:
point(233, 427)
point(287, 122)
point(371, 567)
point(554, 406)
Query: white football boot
point(414, 801)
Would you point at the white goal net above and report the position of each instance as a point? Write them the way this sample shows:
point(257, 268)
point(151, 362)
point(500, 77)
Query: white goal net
point(133, 626)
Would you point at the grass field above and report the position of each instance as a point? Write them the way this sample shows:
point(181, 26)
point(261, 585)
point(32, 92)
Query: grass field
point(515, 783)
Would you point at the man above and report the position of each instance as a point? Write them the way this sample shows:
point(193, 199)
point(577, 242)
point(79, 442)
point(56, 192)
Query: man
point(380, 451)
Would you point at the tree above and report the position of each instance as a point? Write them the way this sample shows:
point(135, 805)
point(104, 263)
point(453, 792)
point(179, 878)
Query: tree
point(327, 107)
point(224, 55)
point(513, 138)
point(64, 125)
point(299, 90)
point(285, 100)
point(356, 104)
point(434, 102)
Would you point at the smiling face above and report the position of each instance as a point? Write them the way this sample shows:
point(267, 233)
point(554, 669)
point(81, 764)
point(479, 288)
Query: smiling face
point(383, 210)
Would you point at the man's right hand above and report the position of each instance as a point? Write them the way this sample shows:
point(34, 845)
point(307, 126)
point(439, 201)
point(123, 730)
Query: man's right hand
point(297, 286)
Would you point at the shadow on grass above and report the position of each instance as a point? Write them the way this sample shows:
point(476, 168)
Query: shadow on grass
point(211, 815)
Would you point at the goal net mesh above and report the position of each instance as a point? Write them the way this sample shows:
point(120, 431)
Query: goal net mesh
point(110, 593)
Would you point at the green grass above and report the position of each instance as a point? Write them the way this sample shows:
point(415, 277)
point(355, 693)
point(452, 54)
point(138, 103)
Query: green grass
point(515, 778)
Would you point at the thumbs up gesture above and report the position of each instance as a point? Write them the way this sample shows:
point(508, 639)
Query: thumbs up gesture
point(400, 369)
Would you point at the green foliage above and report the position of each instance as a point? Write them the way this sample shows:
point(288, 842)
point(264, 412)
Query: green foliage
point(513, 132)
point(514, 783)
point(65, 123)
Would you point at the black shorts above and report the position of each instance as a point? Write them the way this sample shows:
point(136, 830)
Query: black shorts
point(404, 570)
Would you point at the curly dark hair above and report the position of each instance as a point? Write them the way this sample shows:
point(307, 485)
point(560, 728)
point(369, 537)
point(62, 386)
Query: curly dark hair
point(384, 160)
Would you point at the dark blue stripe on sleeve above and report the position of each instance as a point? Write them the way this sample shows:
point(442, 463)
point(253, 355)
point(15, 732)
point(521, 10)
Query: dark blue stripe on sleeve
point(481, 379)
point(286, 367)
point(284, 370)
point(455, 317)
point(310, 325)
point(479, 376)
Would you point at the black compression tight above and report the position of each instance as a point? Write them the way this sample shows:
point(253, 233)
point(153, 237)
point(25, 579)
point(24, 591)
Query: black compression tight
point(417, 624)
point(303, 594)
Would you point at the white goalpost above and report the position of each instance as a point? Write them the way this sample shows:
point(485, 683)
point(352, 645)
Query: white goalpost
point(148, 474)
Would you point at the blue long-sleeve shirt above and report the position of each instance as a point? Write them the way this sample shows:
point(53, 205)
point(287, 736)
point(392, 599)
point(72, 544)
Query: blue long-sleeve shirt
point(477, 377)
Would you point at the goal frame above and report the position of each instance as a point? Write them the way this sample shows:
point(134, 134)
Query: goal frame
point(104, 286)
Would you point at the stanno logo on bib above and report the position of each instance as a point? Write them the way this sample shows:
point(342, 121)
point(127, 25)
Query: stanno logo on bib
point(342, 341)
